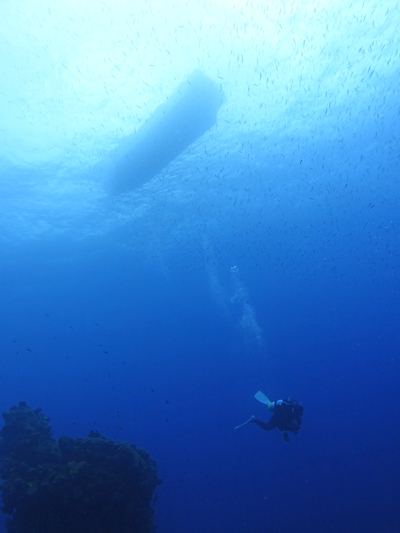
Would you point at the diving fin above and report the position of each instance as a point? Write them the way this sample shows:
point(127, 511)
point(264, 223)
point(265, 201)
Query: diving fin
point(285, 436)
point(260, 396)
point(247, 422)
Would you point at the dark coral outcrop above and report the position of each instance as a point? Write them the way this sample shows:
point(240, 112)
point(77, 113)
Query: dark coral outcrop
point(82, 485)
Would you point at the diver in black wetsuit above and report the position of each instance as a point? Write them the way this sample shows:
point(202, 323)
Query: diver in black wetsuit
point(287, 416)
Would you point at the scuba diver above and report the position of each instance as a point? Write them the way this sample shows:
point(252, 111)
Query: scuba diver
point(287, 415)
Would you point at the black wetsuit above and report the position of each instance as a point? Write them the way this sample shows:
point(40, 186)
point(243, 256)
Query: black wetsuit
point(286, 417)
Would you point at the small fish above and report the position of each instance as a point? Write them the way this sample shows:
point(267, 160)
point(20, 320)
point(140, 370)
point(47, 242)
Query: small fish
point(285, 436)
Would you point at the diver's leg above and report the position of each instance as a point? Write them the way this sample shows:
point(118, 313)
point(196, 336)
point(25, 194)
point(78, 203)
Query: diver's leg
point(264, 425)
point(251, 419)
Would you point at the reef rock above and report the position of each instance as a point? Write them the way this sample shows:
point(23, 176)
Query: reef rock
point(82, 485)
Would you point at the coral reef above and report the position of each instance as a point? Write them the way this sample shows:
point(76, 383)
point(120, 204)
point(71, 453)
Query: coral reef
point(81, 485)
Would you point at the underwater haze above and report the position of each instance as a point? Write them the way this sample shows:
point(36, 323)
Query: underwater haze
point(263, 254)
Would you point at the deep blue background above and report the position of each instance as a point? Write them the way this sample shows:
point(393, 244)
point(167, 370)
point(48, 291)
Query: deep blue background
point(330, 340)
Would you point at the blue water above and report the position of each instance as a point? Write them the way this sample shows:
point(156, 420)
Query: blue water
point(264, 257)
